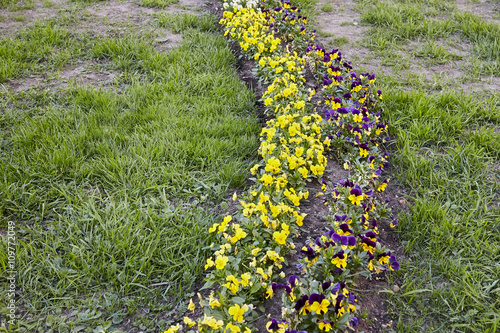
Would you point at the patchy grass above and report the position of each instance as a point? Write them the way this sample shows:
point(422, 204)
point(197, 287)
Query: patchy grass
point(436, 54)
point(6, 3)
point(17, 5)
point(179, 22)
point(47, 4)
point(397, 22)
point(327, 7)
point(322, 33)
point(340, 41)
point(45, 46)
point(112, 189)
point(158, 3)
point(447, 155)
point(20, 18)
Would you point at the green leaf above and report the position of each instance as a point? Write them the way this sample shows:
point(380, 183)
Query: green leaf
point(238, 300)
point(256, 287)
point(416, 291)
point(255, 234)
point(49, 321)
point(207, 285)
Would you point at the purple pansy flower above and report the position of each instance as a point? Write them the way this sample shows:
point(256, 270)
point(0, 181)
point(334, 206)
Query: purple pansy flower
point(273, 325)
point(292, 280)
point(325, 285)
point(301, 302)
point(309, 252)
point(356, 190)
point(340, 218)
point(393, 263)
point(354, 321)
point(345, 228)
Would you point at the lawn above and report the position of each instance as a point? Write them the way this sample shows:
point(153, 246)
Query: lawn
point(443, 104)
point(112, 185)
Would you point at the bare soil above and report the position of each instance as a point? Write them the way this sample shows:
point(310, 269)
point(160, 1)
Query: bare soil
point(487, 9)
point(343, 21)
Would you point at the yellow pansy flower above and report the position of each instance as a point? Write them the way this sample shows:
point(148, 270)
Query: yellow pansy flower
point(189, 322)
point(173, 329)
point(280, 237)
point(210, 263)
point(191, 305)
point(237, 312)
point(221, 261)
point(232, 328)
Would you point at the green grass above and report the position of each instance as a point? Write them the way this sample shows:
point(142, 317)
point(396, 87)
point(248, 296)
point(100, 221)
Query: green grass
point(346, 23)
point(337, 42)
point(437, 54)
point(20, 18)
point(327, 7)
point(158, 3)
point(407, 21)
point(340, 41)
point(396, 22)
point(322, 33)
point(181, 21)
point(446, 157)
point(446, 154)
point(17, 5)
point(46, 45)
point(6, 3)
point(485, 41)
point(47, 4)
point(112, 189)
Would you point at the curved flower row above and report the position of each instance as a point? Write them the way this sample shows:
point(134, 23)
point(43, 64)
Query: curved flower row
point(252, 243)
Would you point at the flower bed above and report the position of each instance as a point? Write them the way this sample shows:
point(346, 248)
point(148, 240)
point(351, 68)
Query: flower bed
point(253, 242)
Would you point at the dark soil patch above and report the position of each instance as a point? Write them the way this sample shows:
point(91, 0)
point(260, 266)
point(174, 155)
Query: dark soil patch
point(371, 299)
point(245, 73)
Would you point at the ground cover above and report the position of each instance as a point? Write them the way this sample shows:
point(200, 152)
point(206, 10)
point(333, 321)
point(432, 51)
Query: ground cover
point(251, 255)
point(439, 66)
point(115, 154)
